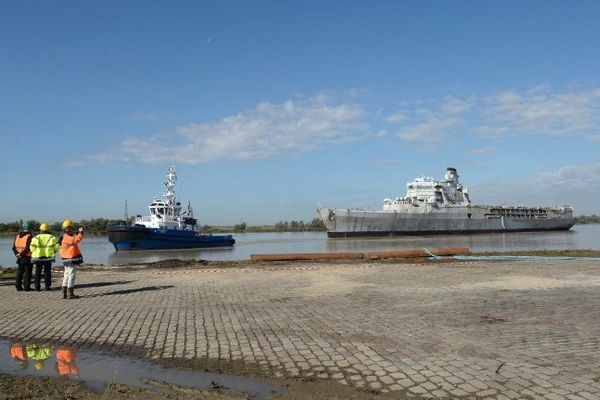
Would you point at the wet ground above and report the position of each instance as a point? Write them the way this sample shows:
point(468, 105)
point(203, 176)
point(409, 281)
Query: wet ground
point(97, 371)
point(452, 329)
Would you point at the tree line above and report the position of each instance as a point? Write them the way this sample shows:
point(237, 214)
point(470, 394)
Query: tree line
point(100, 226)
point(314, 225)
point(588, 219)
point(94, 225)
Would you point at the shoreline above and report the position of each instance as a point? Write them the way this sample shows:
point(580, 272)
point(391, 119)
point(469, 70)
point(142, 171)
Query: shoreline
point(178, 263)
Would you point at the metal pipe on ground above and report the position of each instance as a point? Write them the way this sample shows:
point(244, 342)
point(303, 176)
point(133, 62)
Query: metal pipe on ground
point(451, 251)
point(375, 255)
point(405, 253)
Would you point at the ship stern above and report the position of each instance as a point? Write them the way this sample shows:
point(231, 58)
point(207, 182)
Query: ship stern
point(327, 215)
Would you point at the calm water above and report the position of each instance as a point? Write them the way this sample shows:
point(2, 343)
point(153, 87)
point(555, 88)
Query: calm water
point(98, 370)
point(98, 250)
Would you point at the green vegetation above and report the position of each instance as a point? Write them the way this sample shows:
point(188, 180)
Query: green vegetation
point(100, 226)
point(6, 273)
point(544, 253)
point(315, 225)
point(588, 219)
point(95, 226)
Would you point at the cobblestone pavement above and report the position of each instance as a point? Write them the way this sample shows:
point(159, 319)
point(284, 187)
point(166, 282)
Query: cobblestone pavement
point(502, 330)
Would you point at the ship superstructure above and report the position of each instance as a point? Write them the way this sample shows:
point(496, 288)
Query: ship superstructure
point(167, 226)
point(444, 206)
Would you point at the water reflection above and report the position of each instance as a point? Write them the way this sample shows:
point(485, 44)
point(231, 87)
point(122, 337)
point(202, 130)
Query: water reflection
point(477, 243)
point(66, 358)
point(98, 370)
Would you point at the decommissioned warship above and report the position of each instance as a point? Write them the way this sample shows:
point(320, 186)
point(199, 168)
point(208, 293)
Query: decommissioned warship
point(167, 226)
point(432, 207)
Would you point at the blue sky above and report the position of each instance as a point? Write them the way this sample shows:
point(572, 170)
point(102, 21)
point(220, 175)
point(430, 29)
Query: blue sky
point(268, 108)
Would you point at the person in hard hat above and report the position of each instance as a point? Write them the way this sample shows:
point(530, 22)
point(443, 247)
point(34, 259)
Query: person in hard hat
point(66, 362)
point(43, 249)
point(39, 354)
point(19, 354)
point(23, 253)
point(71, 257)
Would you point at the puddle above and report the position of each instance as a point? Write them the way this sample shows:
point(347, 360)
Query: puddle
point(98, 370)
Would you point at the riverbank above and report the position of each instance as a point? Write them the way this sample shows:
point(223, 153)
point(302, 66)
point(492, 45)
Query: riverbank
point(8, 273)
point(363, 330)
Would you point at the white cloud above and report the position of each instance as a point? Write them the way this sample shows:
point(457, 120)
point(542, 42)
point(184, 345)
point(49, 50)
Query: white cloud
point(538, 110)
point(482, 151)
point(399, 116)
point(268, 130)
point(430, 131)
point(455, 106)
point(492, 131)
point(570, 177)
point(561, 186)
point(429, 122)
point(544, 112)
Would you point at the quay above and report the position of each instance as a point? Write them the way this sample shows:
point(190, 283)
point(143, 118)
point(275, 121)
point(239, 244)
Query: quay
point(453, 329)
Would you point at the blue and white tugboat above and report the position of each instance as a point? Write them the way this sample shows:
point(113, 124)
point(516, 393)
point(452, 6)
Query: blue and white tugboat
point(167, 227)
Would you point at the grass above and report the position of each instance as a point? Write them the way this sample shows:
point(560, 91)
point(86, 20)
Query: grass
point(7, 273)
point(544, 253)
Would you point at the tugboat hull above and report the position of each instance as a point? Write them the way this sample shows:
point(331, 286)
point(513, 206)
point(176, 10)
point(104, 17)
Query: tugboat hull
point(142, 238)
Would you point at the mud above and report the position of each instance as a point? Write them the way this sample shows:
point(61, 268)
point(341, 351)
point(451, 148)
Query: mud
point(51, 388)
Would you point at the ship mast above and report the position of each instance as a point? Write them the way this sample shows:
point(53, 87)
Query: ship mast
point(169, 195)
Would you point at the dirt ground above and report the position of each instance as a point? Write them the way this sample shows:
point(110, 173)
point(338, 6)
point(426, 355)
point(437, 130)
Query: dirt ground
point(48, 388)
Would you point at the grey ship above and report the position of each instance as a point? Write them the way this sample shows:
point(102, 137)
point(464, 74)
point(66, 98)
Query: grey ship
point(432, 207)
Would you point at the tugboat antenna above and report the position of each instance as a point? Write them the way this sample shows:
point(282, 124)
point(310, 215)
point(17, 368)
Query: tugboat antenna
point(126, 213)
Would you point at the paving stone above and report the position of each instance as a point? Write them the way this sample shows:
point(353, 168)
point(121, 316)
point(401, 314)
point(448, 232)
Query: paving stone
point(441, 331)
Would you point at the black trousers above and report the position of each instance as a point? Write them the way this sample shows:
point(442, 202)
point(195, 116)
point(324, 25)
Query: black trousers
point(46, 266)
point(24, 276)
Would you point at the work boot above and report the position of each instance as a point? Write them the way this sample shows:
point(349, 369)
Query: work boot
point(64, 288)
point(72, 294)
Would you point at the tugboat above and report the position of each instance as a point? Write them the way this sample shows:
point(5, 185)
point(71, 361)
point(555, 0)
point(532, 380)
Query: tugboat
point(167, 226)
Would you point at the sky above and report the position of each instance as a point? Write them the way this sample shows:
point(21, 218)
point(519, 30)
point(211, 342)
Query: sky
point(270, 108)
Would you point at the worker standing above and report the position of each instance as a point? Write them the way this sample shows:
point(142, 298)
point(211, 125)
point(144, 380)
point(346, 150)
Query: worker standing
point(23, 253)
point(43, 249)
point(71, 256)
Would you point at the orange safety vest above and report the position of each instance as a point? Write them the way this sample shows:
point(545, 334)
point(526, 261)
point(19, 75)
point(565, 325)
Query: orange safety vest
point(69, 251)
point(65, 362)
point(17, 352)
point(21, 243)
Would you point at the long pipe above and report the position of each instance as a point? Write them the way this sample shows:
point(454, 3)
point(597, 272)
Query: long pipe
point(444, 251)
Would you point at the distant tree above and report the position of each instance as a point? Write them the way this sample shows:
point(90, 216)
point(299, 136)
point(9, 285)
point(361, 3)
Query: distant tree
point(239, 227)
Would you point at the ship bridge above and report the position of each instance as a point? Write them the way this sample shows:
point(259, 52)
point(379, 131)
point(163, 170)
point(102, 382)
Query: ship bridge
point(426, 190)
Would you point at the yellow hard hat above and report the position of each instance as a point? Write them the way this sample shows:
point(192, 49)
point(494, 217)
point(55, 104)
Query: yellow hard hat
point(67, 223)
point(44, 227)
point(39, 364)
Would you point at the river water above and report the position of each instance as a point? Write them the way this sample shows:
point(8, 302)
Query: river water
point(97, 249)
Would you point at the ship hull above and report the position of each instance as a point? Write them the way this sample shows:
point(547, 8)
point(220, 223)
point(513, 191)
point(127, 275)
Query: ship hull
point(356, 223)
point(142, 238)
